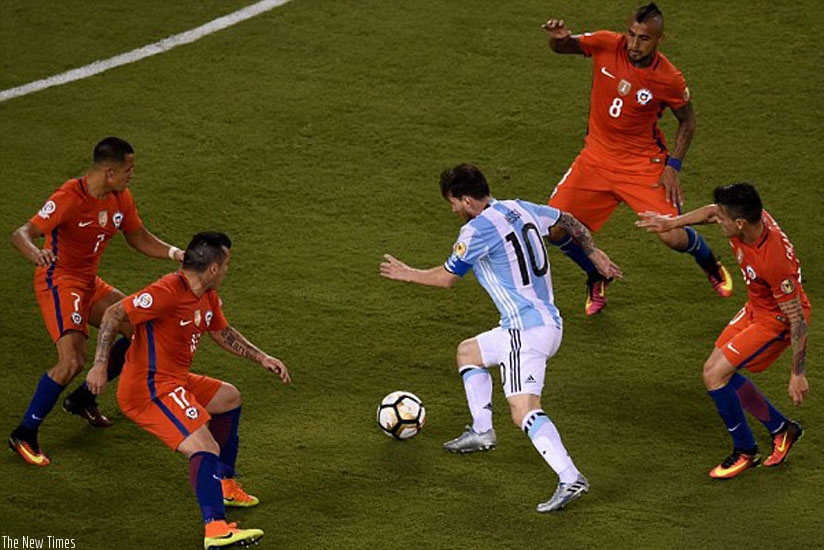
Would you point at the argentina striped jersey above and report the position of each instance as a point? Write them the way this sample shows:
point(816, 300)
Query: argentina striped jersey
point(504, 245)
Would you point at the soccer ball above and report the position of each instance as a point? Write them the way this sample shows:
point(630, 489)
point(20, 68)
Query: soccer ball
point(401, 415)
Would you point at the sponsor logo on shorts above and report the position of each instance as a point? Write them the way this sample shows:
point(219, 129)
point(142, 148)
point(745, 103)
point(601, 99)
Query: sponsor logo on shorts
point(144, 300)
point(47, 210)
point(643, 96)
point(530, 380)
point(77, 319)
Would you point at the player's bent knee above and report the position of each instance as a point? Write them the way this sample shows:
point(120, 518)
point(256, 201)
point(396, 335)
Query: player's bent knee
point(201, 441)
point(468, 353)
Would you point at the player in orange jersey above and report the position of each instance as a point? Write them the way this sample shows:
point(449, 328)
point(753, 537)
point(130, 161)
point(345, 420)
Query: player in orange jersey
point(775, 317)
point(625, 157)
point(78, 221)
point(193, 414)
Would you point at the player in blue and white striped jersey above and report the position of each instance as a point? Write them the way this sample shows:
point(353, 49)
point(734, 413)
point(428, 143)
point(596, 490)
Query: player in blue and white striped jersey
point(502, 242)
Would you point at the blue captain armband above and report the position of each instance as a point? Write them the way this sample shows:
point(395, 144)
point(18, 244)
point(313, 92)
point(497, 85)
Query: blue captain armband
point(456, 266)
point(675, 163)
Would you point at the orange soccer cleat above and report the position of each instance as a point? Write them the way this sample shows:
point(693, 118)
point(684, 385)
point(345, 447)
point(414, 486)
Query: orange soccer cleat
point(736, 463)
point(234, 495)
point(27, 447)
point(722, 285)
point(220, 534)
point(783, 442)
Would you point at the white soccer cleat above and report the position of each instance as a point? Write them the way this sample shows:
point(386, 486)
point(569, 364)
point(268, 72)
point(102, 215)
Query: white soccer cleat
point(564, 494)
point(472, 442)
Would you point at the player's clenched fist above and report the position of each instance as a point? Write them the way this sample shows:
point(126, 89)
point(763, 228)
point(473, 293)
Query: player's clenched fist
point(556, 29)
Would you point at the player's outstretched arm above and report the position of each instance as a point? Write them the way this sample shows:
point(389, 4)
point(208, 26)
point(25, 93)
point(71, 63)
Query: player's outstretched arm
point(396, 270)
point(233, 341)
point(23, 240)
point(798, 337)
point(113, 317)
point(560, 38)
point(581, 235)
point(659, 223)
point(670, 178)
point(147, 243)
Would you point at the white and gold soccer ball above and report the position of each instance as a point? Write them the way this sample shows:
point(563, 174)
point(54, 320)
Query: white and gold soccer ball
point(401, 415)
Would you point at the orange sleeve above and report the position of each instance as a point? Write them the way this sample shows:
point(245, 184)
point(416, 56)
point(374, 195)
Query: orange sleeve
point(782, 276)
point(54, 211)
point(153, 302)
point(219, 321)
point(675, 93)
point(596, 42)
point(131, 220)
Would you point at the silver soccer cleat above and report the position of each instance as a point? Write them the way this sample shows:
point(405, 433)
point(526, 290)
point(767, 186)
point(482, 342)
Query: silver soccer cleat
point(564, 494)
point(472, 442)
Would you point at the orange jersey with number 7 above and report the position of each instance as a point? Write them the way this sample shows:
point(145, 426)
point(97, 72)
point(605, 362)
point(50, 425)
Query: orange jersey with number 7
point(78, 227)
point(626, 103)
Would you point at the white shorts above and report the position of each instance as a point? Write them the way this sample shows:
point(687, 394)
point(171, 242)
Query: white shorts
point(521, 354)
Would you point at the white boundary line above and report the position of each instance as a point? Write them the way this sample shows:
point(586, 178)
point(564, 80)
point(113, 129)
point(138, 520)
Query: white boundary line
point(146, 51)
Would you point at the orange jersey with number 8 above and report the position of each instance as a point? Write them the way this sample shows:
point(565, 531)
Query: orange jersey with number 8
point(626, 103)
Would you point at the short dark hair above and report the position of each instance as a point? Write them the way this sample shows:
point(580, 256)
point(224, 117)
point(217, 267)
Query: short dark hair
point(741, 200)
point(205, 249)
point(464, 179)
point(112, 149)
point(648, 11)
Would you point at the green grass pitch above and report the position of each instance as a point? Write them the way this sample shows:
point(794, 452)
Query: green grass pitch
point(314, 135)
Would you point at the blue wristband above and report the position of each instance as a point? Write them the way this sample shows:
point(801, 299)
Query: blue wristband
point(675, 163)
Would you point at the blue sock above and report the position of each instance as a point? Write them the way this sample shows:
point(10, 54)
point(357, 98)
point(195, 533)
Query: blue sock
point(45, 396)
point(203, 476)
point(729, 407)
point(756, 404)
point(575, 253)
point(117, 358)
point(224, 428)
point(698, 248)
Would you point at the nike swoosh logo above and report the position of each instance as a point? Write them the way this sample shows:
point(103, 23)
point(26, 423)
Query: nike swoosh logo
point(36, 417)
point(733, 428)
point(215, 477)
point(184, 323)
point(84, 224)
point(780, 448)
point(606, 72)
point(733, 349)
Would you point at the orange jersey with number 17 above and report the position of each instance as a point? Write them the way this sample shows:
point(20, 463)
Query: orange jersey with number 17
point(626, 103)
point(771, 271)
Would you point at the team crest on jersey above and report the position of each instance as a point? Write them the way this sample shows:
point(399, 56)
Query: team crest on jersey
point(197, 318)
point(643, 96)
point(47, 210)
point(739, 255)
point(750, 273)
point(77, 319)
point(209, 316)
point(460, 249)
point(144, 300)
point(787, 286)
point(624, 87)
point(103, 217)
point(117, 219)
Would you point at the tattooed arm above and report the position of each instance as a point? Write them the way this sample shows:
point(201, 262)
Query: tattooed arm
point(113, 317)
point(798, 334)
point(233, 341)
point(581, 235)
